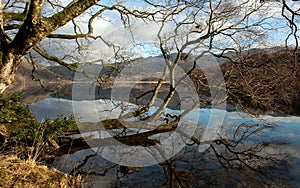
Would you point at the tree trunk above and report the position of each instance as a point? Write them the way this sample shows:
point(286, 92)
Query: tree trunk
point(33, 30)
point(8, 69)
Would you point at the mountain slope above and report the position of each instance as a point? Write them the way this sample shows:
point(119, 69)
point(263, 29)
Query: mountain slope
point(263, 81)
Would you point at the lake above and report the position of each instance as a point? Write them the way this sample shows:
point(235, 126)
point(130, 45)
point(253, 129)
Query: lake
point(245, 151)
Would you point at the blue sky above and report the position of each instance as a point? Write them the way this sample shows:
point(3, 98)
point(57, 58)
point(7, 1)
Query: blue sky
point(142, 39)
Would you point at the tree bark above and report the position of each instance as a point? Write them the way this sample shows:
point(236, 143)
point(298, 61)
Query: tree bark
point(33, 30)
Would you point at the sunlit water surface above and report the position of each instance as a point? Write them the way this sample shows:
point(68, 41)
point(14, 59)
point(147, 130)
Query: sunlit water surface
point(192, 166)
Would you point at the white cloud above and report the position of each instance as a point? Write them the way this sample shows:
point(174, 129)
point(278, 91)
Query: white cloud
point(110, 27)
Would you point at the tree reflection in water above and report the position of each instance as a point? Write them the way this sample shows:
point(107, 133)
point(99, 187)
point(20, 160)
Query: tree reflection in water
point(245, 156)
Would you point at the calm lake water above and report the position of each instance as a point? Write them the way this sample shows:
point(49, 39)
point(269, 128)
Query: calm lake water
point(222, 165)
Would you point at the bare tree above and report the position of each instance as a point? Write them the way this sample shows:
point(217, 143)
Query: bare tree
point(24, 24)
point(188, 33)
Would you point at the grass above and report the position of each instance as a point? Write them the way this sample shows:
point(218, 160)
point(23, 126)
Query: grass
point(19, 173)
point(24, 142)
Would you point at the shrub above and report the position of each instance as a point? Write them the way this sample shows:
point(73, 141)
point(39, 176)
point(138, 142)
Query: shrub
point(24, 134)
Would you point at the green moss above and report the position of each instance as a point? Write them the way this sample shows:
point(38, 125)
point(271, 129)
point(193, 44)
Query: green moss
point(9, 16)
point(61, 16)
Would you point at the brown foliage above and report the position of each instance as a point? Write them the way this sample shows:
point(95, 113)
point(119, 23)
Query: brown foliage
point(261, 82)
point(17, 173)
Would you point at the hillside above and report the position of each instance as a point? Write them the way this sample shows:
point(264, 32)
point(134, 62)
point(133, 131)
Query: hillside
point(37, 83)
point(265, 82)
point(261, 82)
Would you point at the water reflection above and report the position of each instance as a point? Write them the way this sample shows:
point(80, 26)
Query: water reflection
point(248, 152)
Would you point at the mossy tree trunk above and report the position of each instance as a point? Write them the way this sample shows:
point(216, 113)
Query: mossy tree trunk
point(33, 30)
